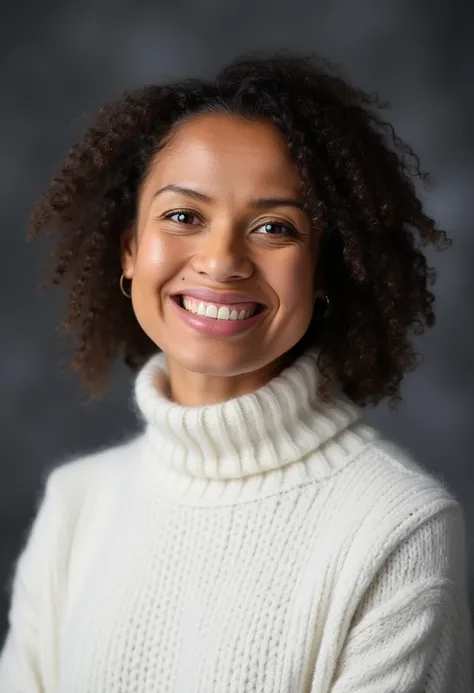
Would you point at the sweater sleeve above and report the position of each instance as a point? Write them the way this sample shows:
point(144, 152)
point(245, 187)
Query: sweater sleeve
point(412, 632)
point(28, 660)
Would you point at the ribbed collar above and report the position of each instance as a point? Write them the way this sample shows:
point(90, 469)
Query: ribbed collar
point(245, 438)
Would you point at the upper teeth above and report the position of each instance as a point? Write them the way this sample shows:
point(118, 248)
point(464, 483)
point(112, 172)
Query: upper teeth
point(212, 311)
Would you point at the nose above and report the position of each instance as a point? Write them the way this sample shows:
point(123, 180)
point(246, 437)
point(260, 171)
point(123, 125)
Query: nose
point(223, 255)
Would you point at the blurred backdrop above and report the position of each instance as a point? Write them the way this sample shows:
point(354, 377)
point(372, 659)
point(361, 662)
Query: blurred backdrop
point(62, 60)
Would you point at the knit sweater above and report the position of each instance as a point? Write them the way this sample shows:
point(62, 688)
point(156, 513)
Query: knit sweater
point(273, 543)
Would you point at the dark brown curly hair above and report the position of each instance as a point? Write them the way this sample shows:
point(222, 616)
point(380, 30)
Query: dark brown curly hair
point(357, 180)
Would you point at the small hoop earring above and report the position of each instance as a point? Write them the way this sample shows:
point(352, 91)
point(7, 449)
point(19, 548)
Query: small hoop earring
point(122, 289)
point(326, 311)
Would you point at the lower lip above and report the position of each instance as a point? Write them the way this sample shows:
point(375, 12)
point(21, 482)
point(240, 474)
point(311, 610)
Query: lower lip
point(213, 327)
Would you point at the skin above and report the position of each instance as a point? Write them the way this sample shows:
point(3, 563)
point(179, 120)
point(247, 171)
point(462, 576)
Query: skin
point(222, 244)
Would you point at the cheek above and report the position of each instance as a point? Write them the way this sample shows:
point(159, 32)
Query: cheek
point(157, 253)
point(155, 259)
point(293, 282)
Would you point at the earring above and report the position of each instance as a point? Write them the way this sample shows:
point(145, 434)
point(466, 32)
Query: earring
point(121, 287)
point(320, 316)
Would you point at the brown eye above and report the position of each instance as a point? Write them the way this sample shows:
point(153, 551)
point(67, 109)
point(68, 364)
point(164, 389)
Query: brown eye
point(276, 228)
point(181, 216)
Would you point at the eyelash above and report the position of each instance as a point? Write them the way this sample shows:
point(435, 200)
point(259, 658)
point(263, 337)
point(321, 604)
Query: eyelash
point(290, 231)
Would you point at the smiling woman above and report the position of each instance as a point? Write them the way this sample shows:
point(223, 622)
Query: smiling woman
point(251, 245)
point(225, 241)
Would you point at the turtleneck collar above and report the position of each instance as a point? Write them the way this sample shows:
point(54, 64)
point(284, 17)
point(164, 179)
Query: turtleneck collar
point(249, 437)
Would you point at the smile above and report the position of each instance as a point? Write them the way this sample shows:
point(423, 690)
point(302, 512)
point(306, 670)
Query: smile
point(219, 311)
point(215, 319)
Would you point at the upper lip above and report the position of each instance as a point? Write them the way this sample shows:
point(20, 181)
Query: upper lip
point(224, 297)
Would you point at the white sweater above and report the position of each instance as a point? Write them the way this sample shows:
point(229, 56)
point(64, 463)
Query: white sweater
point(268, 544)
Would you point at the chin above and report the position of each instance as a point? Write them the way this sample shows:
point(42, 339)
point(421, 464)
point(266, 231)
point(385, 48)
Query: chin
point(215, 361)
point(219, 360)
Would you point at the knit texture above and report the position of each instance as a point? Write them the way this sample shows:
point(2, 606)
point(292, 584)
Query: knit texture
point(274, 543)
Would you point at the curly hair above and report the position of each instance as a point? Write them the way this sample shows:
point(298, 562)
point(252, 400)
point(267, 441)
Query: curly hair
point(357, 181)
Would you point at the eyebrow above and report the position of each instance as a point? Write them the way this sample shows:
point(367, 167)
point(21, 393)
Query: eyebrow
point(259, 203)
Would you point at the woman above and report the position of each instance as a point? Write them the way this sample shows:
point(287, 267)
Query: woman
point(251, 246)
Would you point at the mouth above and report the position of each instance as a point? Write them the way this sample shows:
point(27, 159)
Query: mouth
point(231, 312)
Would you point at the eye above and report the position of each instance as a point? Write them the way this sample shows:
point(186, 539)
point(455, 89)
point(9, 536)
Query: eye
point(182, 216)
point(276, 228)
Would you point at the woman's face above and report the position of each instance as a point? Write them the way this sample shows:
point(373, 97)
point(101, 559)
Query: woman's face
point(223, 259)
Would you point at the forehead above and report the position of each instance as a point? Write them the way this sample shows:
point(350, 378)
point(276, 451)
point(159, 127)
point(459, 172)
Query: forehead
point(219, 152)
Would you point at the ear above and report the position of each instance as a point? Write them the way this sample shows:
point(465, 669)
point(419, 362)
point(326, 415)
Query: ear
point(128, 251)
point(318, 291)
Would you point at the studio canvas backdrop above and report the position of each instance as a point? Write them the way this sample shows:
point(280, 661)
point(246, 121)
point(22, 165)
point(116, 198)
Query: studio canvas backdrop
point(62, 60)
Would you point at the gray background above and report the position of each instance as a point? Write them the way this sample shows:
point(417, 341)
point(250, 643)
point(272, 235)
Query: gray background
point(61, 60)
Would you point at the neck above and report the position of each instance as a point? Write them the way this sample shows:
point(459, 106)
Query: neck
point(273, 438)
point(192, 389)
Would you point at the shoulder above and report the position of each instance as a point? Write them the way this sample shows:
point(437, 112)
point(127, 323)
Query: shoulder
point(85, 483)
point(400, 498)
point(103, 471)
point(397, 465)
point(398, 524)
